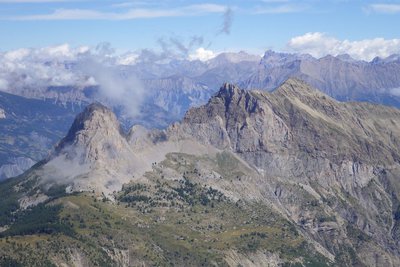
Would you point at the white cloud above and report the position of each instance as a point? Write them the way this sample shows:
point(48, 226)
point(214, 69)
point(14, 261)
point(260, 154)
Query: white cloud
point(114, 86)
point(280, 7)
point(128, 59)
point(384, 8)
point(63, 51)
point(42, 67)
point(206, 8)
point(202, 54)
point(395, 91)
point(319, 44)
point(18, 54)
point(34, 70)
point(139, 13)
point(131, 4)
point(3, 85)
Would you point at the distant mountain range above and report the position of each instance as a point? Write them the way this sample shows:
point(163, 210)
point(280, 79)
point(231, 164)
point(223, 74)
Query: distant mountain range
point(193, 82)
point(161, 91)
point(176, 85)
point(252, 178)
point(340, 77)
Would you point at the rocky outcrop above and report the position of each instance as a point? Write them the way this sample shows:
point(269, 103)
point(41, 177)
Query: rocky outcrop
point(326, 164)
point(298, 118)
point(98, 131)
point(96, 155)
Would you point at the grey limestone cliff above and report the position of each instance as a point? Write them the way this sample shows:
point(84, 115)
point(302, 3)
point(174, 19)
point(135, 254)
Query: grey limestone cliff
point(332, 167)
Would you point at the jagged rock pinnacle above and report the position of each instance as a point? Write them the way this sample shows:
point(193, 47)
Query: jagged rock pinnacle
point(95, 119)
point(228, 89)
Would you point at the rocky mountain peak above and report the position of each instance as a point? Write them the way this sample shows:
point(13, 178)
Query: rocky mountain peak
point(346, 58)
point(293, 83)
point(296, 88)
point(95, 119)
point(95, 144)
point(254, 120)
point(230, 101)
point(228, 90)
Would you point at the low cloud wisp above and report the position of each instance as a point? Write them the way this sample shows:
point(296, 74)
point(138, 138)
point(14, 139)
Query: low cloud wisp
point(115, 88)
point(227, 22)
point(31, 71)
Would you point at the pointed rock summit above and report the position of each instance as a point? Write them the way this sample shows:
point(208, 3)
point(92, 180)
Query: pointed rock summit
point(228, 90)
point(298, 116)
point(230, 94)
point(95, 120)
point(93, 156)
point(296, 87)
point(95, 146)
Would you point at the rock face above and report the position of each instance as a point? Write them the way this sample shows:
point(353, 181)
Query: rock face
point(328, 169)
point(96, 155)
point(95, 129)
point(298, 118)
point(94, 146)
point(343, 157)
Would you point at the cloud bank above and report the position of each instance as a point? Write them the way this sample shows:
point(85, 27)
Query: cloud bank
point(202, 54)
point(319, 44)
point(40, 68)
point(32, 71)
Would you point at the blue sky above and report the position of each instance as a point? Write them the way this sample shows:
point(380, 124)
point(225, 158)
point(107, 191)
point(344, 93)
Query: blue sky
point(252, 25)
